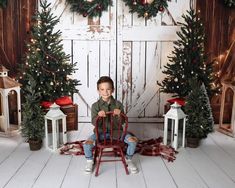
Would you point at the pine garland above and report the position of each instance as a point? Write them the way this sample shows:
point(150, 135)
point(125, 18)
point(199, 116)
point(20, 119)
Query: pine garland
point(3, 3)
point(146, 8)
point(90, 8)
point(230, 3)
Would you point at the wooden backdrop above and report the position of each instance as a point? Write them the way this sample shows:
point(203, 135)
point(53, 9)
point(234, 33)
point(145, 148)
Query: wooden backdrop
point(15, 24)
point(14, 28)
point(219, 22)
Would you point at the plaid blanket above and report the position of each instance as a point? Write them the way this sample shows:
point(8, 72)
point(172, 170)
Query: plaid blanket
point(151, 147)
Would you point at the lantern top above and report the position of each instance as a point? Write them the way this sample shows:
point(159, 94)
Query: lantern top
point(5, 81)
point(3, 69)
point(175, 112)
point(55, 112)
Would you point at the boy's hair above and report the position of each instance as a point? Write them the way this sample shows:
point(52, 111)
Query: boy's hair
point(106, 79)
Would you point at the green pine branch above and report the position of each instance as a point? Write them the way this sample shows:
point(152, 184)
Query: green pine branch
point(46, 60)
point(188, 60)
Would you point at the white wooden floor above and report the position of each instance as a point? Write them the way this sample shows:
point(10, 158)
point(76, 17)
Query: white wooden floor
point(212, 165)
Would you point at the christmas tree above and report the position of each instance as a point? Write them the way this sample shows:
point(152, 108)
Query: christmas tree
point(45, 59)
point(32, 113)
point(200, 121)
point(188, 60)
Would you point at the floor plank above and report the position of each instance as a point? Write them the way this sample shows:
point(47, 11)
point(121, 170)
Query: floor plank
point(75, 176)
point(212, 165)
point(131, 180)
point(106, 177)
point(222, 159)
point(54, 172)
point(13, 163)
point(8, 145)
point(226, 143)
point(208, 170)
point(30, 171)
point(156, 173)
point(184, 174)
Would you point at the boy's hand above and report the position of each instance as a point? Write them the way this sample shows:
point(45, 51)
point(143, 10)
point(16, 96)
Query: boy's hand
point(102, 113)
point(116, 112)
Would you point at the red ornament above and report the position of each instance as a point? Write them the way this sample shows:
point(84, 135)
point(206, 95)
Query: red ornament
point(98, 7)
point(143, 2)
point(85, 14)
point(161, 8)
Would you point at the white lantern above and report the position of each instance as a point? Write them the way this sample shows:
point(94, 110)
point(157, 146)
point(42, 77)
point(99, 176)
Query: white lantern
point(175, 114)
point(55, 115)
point(10, 104)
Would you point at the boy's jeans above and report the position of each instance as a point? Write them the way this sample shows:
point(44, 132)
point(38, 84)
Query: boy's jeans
point(129, 153)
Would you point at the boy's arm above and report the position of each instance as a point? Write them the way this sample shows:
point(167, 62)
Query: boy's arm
point(94, 113)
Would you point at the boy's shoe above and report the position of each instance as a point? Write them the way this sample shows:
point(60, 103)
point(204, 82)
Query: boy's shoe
point(89, 166)
point(131, 166)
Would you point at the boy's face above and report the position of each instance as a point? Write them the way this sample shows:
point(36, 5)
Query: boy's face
point(105, 91)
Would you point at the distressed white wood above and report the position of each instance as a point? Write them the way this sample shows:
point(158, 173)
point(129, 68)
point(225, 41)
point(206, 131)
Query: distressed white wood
point(104, 58)
point(121, 45)
point(126, 76)
point(138, 71)
point(154, 50)
point(61, 9)
point(85, 33)
point(150, 33)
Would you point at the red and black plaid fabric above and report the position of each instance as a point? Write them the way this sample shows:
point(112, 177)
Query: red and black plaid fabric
point(151, 147)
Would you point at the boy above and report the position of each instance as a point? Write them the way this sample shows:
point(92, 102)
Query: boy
point(107, 103)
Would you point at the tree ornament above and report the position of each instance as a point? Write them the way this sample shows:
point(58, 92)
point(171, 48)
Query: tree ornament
point(149, 1)
point(146, 8)
point(44, 63)
point(187, 60)
point(90, 8)
point(84, 14)
point(161, 8)
point(143, 2)
point(146, 14)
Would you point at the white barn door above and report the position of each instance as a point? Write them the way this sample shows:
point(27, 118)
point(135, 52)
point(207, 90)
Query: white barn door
point(92, 44)
point(142, 50)
point(131, 50)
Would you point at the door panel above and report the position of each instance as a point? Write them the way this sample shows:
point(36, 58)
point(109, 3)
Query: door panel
point(132, 50)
